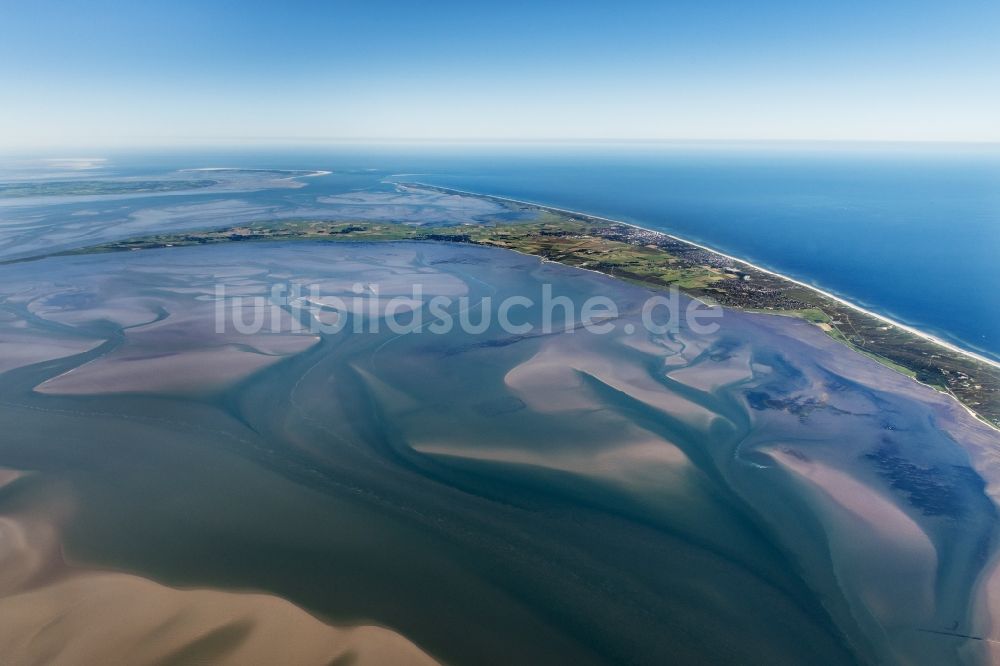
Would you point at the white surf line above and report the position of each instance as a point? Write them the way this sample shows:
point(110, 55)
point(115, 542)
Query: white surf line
point(297, 175)
point(313, 174)
point(909, 329)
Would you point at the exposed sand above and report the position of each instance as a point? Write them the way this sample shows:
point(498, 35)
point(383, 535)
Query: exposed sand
point(122, 311)
point(9, 476)
point(172, 372)
point(76, 617)
point(877, 550)
point(549, 384)
point(104, 618)
point(552, 381)
point(988, 605)
point(183, 352)
point(20, 349)
point(709, 374)
point(981, 444)
point(640, 458)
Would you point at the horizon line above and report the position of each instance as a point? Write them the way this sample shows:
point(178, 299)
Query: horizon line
point(235, 142)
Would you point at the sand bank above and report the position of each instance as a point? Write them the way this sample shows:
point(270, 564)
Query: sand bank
point(52, 614)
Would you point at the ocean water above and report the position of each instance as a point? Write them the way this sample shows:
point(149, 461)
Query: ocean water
point(911, 232)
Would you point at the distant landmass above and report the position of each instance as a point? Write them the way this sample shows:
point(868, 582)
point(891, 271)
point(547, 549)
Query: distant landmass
point(60, 188)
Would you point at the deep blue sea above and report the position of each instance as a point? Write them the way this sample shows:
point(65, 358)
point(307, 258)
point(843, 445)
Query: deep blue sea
point(910, 231)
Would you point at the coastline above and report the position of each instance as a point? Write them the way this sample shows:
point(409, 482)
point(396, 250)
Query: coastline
point(854, 306)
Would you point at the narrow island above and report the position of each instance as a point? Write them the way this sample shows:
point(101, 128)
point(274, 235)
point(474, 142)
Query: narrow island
point(650, 258)
point(80, 188)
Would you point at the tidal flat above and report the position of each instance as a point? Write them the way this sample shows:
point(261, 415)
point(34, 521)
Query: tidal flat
point(760, 494)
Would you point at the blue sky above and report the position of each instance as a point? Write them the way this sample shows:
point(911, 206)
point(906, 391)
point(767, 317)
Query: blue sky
point(151, 73)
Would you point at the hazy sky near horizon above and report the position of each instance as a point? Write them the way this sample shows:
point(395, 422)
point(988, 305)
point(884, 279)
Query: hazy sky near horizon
point(117, 73)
